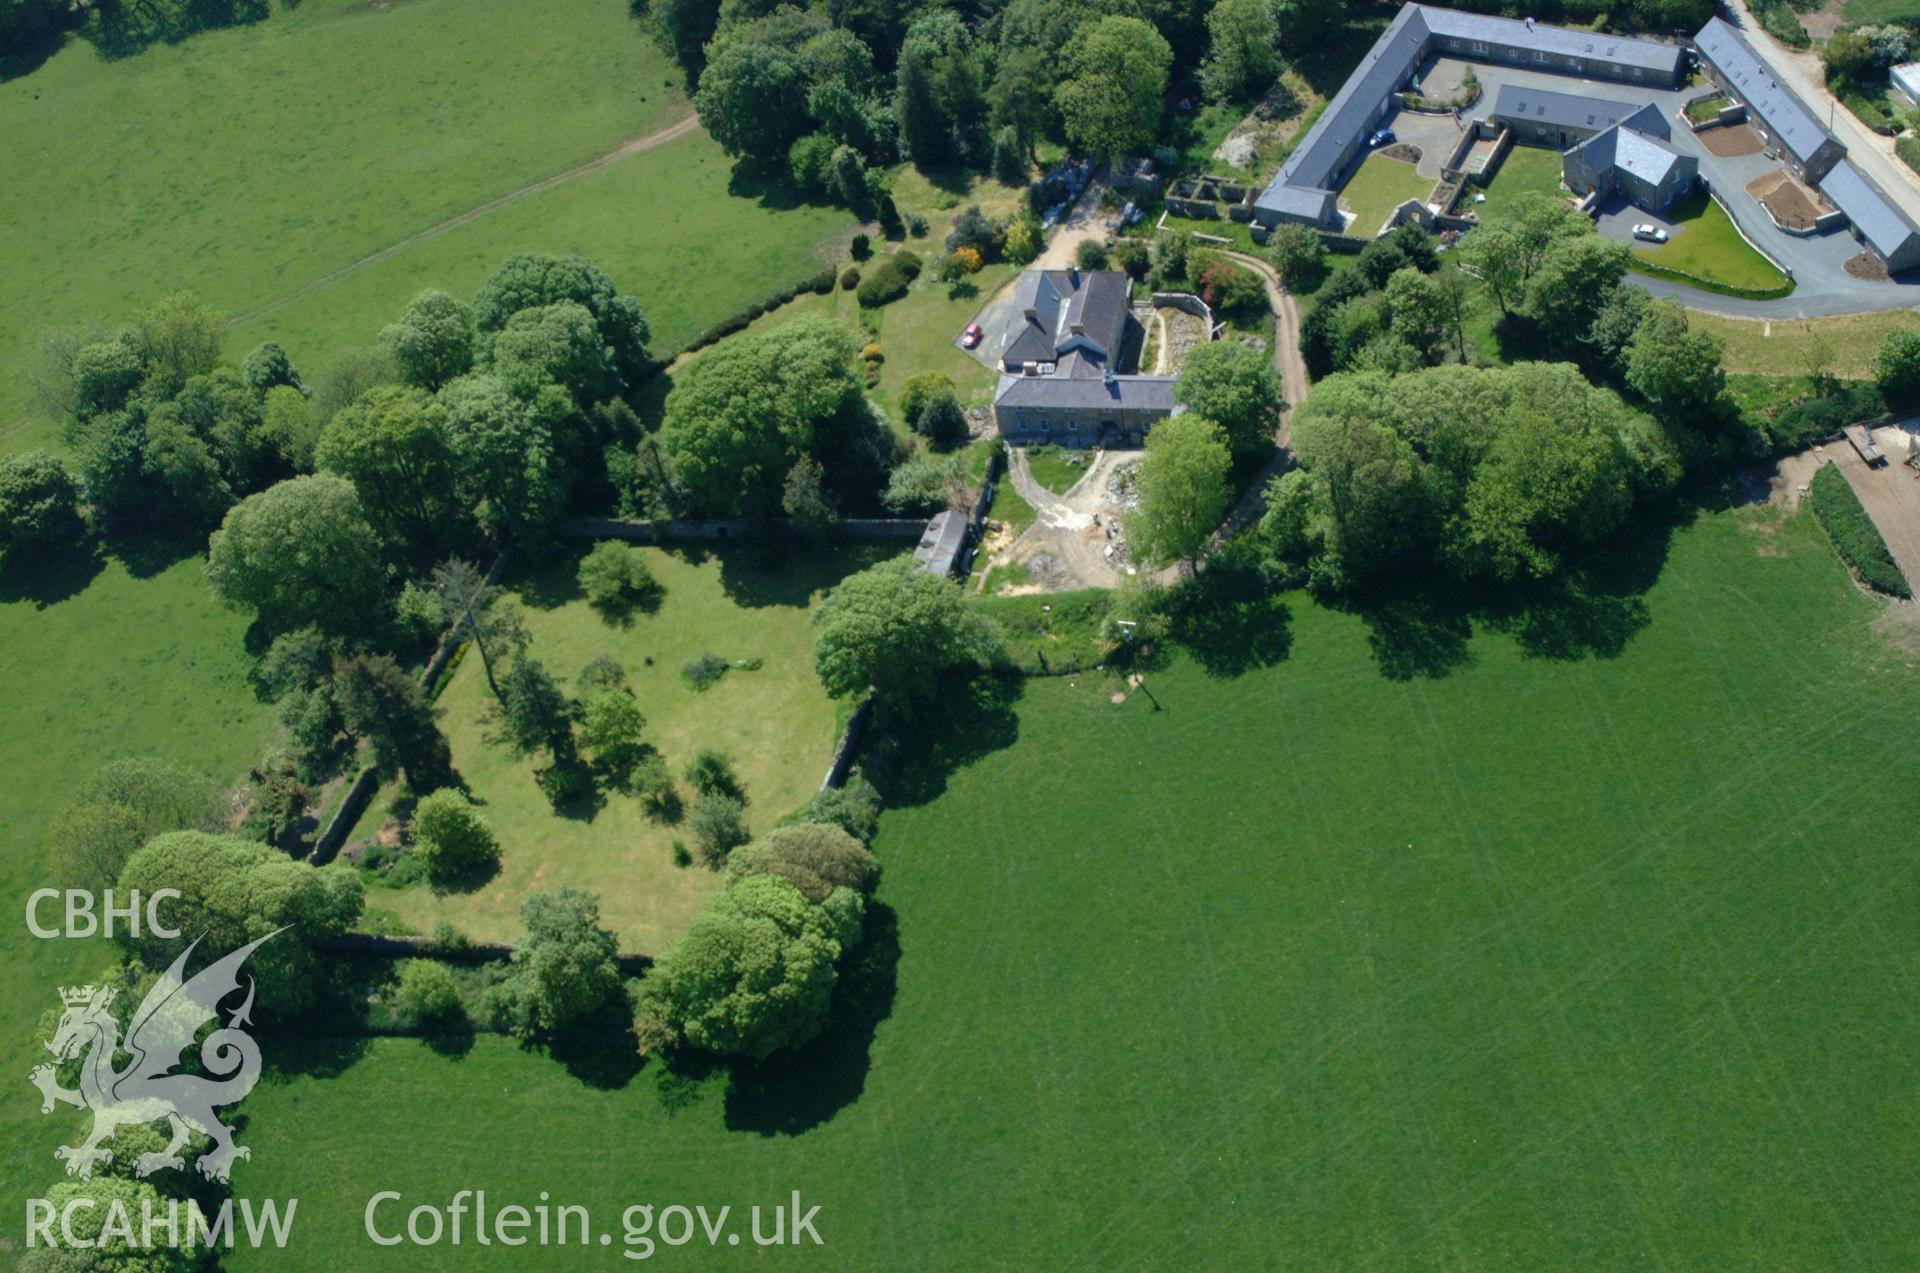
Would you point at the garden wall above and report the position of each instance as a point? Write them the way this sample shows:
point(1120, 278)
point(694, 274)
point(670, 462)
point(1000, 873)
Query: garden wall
point(467, 953)
point(715, 530)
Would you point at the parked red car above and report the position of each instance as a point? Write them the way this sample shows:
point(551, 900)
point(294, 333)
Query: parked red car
point(970, 337)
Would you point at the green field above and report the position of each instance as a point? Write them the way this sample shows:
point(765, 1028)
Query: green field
point(95, 663)
point(174, 169)
point(1377, 187)
point(1707, 245)
point(1377, 945)
point(776, 722)
point(1880, 12)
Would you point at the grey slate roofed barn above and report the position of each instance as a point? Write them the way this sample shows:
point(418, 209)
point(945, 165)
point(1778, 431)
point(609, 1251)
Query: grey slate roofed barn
point(1878, 220)
point(1560, 110)
point(1090, 393)
point(1778, 109)
point(1631, 152)
point(1055, 311)
point(1303, 189)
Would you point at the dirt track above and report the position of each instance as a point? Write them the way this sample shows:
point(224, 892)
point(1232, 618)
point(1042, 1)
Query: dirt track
point(1294, 383)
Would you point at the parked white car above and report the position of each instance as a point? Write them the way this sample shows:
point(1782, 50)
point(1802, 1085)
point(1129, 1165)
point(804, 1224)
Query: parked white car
point(1651, 233)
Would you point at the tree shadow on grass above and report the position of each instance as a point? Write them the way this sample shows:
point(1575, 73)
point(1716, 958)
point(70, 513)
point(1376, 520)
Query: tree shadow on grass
point(49, 576)
point(972, 716)
point(794, 1092)
point(554, 582)
point(1593, 608)
point(1231, 619)
point(452, 1041)
point(146, 552)
point(756, 575)
point(601, 1050)
point(315, 1055)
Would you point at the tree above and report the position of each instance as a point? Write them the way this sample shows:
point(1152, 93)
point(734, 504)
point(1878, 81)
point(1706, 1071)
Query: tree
point(393, 446)
point(755, 974)
point(426, 993)
point(555, 344)
point(943, 422)
point(615, 578)
point(381, 703)
point(1673, 367)
point(1009, 157)
point(1419, 310)
point(300, 553)
point(614, 729)
point(1299, 253)
point(534, 713)
point(925, 484)
point(1117, 76)
point(123, 805)
point(176, 339)
point(1091, 254)
point(1896, 366)
point(564, 970)
point(806, 502)
point(746, 409)
point(719, 826)
point(1572, 281)
point(920, 389)
point(895, 628)
point(433, 341)
point(503, 454)
point(268, 367)
point(451, 836)
point(477, 612)
point(1183, 489)
point(1614, 324)
point(530, 280)
point(1238, 389)
point(1170, 252)
point(104, 375)
point(1243, 54)
point(39, 502)
point(233, 891)
point(747, 96)
point(711, 773)
point(814, 857)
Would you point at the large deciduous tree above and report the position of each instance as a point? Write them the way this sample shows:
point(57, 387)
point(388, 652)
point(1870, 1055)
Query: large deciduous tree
point(300, 553)
point(393, 445)
point(39, 502)
point(1183, 489)
point(433, 340)
point(1237, 388)
point(1243, 49)
point(895, 628)
point(1117, 75)
point(564, 970)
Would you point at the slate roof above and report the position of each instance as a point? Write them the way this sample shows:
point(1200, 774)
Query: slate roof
point(1094, 299)
point(1629, 151)
point(1907, 76)
point(1561, 110)
point(1303, 186)
point(941, 542)
point(1778, 107)
point(1132, 393)
point(1878, 219)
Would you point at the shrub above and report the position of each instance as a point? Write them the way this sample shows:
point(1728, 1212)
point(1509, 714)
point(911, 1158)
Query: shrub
point(427, 994)
point(449, 940)
point(450, 836)
point(613, 728)
point(1133, 256)
point(704, 672)
point(861, 247)
point(882, 286)
point(615, 576)
point(719, 826)
point(854, 807)
point(1091, 254)
point(814, 857)
point(564, 782)
point(849, 278)
point(821, 283)
point(908, 263)
point(871, 352)
point(681, 857)
point(602, 672)
point(916, 225)
point(711, 773)
point(39, 500)
point(1800, 424)
point(653, 785)
point(1853, 532)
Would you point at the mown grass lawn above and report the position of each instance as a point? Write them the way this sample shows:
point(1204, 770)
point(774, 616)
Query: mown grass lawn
point(1526, 170)
point(1706, 244)
point(776, 722)
point(1377, 187)
point(245, 163)
point(1541, 963)
point(1056, 467)
point(97, 661)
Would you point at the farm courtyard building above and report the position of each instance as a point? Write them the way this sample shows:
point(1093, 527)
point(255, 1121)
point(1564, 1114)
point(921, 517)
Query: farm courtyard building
point(1625, 161)
point(1059, 360)
point(1305, 188)
point(1790, 130)
point(1559, 120)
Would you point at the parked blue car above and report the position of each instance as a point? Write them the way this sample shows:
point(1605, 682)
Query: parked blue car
point(1384, 137)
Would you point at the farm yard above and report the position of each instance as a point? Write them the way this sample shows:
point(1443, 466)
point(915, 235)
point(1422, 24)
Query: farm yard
point(1574, 990)
point(1526, 170)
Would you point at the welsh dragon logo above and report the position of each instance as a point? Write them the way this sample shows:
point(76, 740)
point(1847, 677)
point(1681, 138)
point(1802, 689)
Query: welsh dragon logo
point(147, 1091)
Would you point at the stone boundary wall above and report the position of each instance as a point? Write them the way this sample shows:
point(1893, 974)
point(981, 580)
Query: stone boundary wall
point(718, 530)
